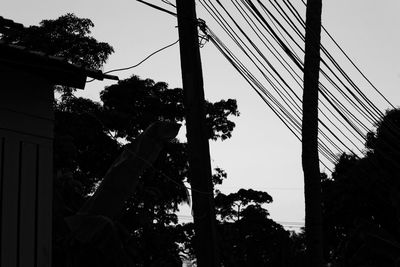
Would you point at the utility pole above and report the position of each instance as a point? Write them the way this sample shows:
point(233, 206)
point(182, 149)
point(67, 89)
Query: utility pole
point(310, 160)
point(205, 242)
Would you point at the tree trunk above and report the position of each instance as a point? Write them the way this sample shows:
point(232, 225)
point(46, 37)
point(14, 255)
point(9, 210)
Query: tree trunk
point(312, 181)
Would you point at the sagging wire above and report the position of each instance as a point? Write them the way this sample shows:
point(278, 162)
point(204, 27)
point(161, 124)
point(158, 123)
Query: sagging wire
point(142, 61)
point(351, 61)
point(335, 102)
point(168, 3)
point(281, 112)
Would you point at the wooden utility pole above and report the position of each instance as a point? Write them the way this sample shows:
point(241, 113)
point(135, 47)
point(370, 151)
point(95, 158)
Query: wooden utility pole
point(199, 155)
point(310, 160)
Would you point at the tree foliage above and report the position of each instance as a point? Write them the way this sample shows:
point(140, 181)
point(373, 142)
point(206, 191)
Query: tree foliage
point(68, 37)
point(150, 101)
point(362, 201)
point(248, 237)
point(232, 206)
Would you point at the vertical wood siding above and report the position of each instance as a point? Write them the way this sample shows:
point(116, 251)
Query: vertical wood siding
point(26, 200)
point(10, 209)
point(26, 160)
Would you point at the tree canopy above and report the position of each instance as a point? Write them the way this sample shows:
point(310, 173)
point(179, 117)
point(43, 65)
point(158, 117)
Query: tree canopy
point(249, 237)
point(68, 37)
point(362, 201)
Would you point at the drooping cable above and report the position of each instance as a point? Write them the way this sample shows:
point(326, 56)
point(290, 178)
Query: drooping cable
point(350, 109)
point(142, 61)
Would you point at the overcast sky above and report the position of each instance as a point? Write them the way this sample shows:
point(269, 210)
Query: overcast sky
point(262, 154)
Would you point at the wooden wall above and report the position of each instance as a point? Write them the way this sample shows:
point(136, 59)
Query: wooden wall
point(26, 159)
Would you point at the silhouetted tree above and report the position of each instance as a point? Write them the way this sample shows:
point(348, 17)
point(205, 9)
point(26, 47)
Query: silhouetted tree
point(68, 37)
point(248, 237)
point(362, 201)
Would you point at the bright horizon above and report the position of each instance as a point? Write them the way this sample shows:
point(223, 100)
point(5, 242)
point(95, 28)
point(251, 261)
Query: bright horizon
point(262, 154)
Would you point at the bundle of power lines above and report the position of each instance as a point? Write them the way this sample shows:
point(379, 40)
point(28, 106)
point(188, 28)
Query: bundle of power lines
point(264, 41)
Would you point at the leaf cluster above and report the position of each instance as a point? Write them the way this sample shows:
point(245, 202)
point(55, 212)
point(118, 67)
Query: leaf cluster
point(248, 237)
point(68, 37)
point(243, 202)
point(361, 203)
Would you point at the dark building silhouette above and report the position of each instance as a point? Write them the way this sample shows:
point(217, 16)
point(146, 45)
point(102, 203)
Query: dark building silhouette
point(27, 80)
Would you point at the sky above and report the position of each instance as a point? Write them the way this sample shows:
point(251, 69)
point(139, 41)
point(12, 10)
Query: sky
point(262, 154)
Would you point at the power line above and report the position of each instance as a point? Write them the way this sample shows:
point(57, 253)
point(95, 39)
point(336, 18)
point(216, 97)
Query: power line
point(346, 106)
point(159, 8)
point(142, 61)
point(280, 108)
point(286, 102)
point(275, 105)
point(352, 62)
